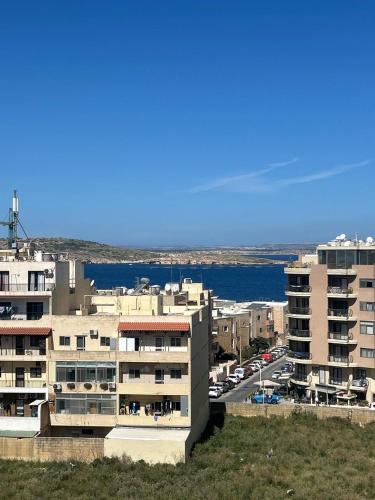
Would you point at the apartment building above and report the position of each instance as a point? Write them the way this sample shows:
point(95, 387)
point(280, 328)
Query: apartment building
point(331, 316)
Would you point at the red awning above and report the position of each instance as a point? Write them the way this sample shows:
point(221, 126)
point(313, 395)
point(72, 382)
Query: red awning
point(140, 326)
point(15, 330)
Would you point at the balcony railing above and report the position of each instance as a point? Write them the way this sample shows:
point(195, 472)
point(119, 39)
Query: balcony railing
point(28, 384)
point(299, 333)
point(23, 352)
point(299, 310)
point(298, 264)
point(299, 377)
point(336, 358)
point(299, 355)
point(345, 337)
point(339, 290)
point(342, 313)
point(27, 287)
point(336, 381)
point(298, 288)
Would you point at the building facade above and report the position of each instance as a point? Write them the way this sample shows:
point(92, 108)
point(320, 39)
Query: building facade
point(331, 315)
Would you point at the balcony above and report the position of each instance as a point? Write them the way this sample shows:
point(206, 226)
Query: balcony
point(298, 290)
point(340, 293)
point(23, 385)
point(295, 334)
point(299, 379)
point(19, 354)
point(339, 360)
point(359, 385)
point(298, 268)
point(341, 315)
point(299, 357)
point(20, 289)
point(335, 270)
point(299, 312)
point(168, 388)
point(338, 383)
point(341, 338)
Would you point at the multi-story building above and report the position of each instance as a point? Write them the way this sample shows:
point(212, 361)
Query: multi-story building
point(128, 365)
point(332, 321)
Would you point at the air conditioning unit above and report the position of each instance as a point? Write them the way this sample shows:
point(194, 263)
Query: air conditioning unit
point(112, 386)
point(57, 387)
point(94, 333)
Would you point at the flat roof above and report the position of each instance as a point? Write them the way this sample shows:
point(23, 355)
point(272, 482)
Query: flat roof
point(148, 434)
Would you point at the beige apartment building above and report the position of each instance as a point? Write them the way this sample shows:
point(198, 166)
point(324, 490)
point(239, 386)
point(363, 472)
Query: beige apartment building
point(331, 316)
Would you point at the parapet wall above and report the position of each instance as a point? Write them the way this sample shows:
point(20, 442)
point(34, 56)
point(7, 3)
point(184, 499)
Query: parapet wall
point(355, 415)
point(50, 449)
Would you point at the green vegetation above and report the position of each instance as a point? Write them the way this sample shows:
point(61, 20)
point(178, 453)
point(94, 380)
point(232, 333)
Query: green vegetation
point(89, 251)
point(312, 459)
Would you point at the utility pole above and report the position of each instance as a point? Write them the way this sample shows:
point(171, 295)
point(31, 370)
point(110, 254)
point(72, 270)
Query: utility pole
point(12, 223)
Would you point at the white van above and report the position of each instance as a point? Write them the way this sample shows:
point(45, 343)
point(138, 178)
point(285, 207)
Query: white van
point(240, 372)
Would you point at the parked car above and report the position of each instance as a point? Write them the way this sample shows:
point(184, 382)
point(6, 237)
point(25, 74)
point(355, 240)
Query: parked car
point(263, 362)
point(244, 372)
point(254, 367)
point(230, 383)
point(214, 392)
point(234, 379)
point(276, 374)
point(267, 357)
point(272, 399)
point(222, 387)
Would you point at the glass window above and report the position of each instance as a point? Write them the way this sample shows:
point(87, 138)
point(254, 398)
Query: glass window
point(65, 341)
point(367, 283)
point(367, 327)
point(367, 306)
point(35, 372)
point(363, 257)
point(322, 256)
point(134, 373)
point(367, 353)
point(105, 341)
point(175, 373)
point(159, 376)
point(175, 342)
point(81, 341)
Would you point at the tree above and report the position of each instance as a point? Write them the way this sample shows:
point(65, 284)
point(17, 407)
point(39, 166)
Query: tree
point(260, 343)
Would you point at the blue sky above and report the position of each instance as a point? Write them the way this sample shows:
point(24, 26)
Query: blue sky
point(189, 122)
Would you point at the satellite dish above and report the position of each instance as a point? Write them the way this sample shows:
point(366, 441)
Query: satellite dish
point(167, 287)
point(369, 239)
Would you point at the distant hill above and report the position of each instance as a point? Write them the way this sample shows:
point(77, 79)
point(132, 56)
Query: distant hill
point(90, 251)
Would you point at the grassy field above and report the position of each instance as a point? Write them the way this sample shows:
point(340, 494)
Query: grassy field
point(315, 459)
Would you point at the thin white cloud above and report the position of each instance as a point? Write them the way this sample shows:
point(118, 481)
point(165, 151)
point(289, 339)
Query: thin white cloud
point(231, 181)
point(257, 181)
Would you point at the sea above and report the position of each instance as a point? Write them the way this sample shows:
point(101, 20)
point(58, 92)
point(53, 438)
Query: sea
point(240, 283)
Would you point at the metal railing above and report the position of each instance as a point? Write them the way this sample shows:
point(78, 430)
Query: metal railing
point(298, 288)
point(342, 313)
point(340, 336)
point(28, 384)
point(339, 290)
point(23, 352)
point(299, 333)
point(337, 358)
point(362, 382)
point(27, 287)
point(299, 310)
point(334, 381)
point(299, 355)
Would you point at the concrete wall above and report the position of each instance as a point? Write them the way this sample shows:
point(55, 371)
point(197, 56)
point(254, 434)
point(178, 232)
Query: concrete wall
point(50, 449)
point(160, 451)
point(358, 416)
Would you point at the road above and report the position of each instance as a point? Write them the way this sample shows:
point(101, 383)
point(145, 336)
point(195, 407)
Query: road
point(243, 389)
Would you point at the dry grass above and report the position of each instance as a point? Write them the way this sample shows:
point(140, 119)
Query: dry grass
point(316, 459)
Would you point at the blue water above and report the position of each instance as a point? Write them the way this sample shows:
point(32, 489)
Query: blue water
point(239, 283)
point(288, 258)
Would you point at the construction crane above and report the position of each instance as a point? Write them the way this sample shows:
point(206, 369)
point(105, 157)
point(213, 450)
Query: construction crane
point(12, 223)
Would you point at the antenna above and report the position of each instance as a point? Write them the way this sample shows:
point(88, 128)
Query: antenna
point(12, 223)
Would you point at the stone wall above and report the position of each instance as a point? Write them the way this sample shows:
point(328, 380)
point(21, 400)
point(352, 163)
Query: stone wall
point(49, 448)
point(355, 415)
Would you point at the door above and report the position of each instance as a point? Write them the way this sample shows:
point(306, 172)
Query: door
point(20, 345)
point(322, 375)
point(20, 408)
point(159, 343)
point(34, 310)
point(37, 281)
point(20, 377)
point(80, 343)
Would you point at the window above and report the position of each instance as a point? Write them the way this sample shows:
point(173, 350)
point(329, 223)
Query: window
point(105, 341)
point(367, 283)
point(175, 373)
point(89, 371)
point(159, 343)
point(81, 342)
point(367, 353)
point(34, 341)
point(34, 310)
point(5, 308)
point(159, 376)
point(35, 372)
point(315, 370)
point(367, 306)
point(176, 406)
point(226, 329)
point(175, 342)
point(37, 281)
point(81, 404)
point(134, 373)
point(64, 341)
point(368, 327)
point(260, 330)
point(258, 318)
point(359, 373)
point(4, 281)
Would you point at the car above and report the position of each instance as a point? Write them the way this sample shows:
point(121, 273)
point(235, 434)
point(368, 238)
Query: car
point(214, 392)
point(276, 374)
point(267, 357)
point(272, 399)
point(254, 367)
point(263, 362)
point(222, 386)
point(230, 383)
point(234, 379)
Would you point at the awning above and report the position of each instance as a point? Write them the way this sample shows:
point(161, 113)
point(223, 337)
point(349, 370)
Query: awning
point(37, 402)
point(15, 330)
point(325, 389)
point(154, 326)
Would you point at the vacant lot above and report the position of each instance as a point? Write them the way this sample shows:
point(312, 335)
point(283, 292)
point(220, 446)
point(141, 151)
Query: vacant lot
point(249, 458)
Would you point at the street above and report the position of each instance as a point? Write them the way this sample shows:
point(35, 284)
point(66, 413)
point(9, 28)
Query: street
point(243, 389)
